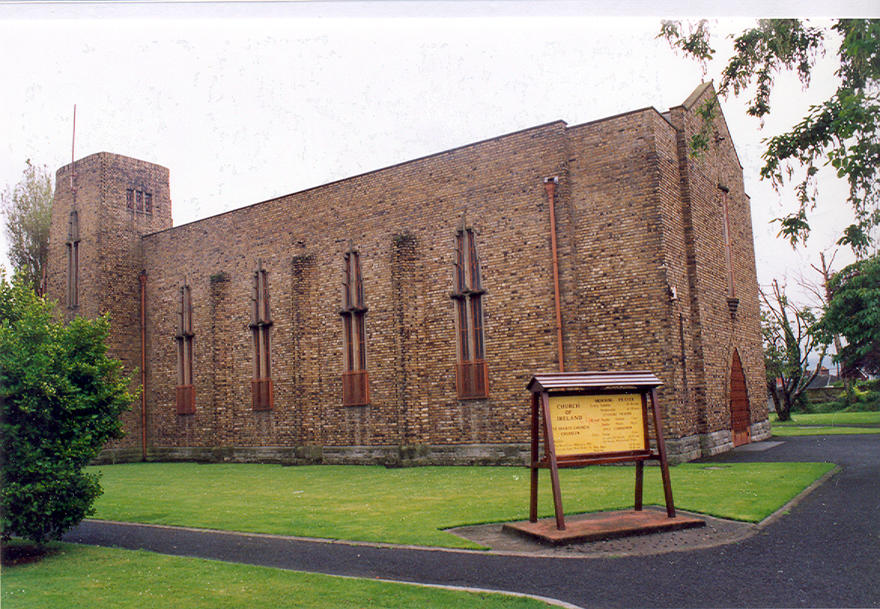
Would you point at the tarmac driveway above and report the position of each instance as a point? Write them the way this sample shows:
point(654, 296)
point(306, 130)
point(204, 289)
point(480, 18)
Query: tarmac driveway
point(824, 553)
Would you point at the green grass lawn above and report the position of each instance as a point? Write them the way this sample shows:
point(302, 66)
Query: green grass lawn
point(829, 419)
point(413, 505)
point(94, 578)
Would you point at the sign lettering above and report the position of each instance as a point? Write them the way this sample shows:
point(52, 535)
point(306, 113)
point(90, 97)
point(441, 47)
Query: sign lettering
point(585, 424)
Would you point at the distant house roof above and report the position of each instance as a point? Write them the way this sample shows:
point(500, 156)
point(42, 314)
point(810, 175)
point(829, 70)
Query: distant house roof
point(823, 379)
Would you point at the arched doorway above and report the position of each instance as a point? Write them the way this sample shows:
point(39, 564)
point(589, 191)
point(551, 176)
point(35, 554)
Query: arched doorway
point(739, 403)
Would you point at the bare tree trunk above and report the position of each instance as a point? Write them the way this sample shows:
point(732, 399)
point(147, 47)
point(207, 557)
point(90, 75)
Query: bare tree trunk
point(783, 411)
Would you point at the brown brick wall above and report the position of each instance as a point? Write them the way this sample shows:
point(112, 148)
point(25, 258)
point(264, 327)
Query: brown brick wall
point(716, 331)
point(403, 221)
point(635, 218)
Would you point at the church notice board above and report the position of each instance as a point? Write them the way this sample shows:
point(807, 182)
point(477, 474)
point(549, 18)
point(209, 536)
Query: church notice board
point(596, 424)
point(588, 418)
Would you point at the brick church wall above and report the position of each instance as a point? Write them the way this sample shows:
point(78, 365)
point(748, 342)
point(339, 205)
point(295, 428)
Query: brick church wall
point(403, 221)
point(642, 276)
point(719, 332)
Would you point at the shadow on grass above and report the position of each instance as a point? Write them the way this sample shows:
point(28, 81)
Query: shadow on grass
point(21, 553)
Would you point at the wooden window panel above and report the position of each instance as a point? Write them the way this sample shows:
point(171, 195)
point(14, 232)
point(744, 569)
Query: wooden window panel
point(355, 380)
point(460, 284)
point(463, 333)
point(472, 380)
point(148, 203)
point(362, 340)
point(346, 285)
point(185, 395)
point(139, 199)
point(129, 198)
point(185, 398)
point(348, 341)
point(474, 265)
point(358, 281)
point(262, 390)
point(477, 325)
point(471, 371)
point(355, 388)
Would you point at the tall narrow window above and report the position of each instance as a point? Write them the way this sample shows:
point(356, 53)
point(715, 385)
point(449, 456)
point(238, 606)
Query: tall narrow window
point(471, 373)
point(261, 322)
point(355, 381)
point(186, 394)
point(725, 228)
point(73, 260)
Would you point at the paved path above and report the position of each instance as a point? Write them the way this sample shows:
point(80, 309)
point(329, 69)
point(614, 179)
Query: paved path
point(825, 553)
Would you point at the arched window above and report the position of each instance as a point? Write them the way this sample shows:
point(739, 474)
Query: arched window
point(740, 415)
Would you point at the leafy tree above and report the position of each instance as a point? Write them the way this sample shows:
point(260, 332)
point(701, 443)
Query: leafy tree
point(843, 131)
point(853, 311)
point(27, 208)
point(60, 399)
point(790, 334)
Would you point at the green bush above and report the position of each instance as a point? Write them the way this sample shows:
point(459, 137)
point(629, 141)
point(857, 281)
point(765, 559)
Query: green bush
point(60, 399)
point(866, 396)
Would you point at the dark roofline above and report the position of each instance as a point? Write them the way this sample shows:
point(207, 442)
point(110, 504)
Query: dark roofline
point(690, 100)
point(622, 114)
point(374, 171)
point(105, 153)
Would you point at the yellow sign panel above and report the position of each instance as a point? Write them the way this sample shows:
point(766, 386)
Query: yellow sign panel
point(586, 424)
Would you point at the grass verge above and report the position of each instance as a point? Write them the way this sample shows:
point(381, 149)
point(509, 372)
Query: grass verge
point(86, 577)
point(414, 505)
point(829, 419)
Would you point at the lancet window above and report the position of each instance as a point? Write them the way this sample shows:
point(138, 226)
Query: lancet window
point(471, 372)
point(725, 227)
point(355, 380)
point(261, 323)
point(186, 397)
point(73, 260)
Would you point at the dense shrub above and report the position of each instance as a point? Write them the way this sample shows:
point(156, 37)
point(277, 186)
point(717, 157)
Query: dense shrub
point(60, 399)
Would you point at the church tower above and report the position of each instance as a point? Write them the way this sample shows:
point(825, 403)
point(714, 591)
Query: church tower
point(104, 204)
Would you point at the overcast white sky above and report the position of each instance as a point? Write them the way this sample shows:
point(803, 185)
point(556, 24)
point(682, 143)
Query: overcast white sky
point(247, 101)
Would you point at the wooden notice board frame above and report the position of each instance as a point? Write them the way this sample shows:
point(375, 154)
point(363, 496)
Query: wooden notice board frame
point(643, 384)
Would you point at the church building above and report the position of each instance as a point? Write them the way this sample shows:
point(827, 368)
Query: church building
point(397, 316)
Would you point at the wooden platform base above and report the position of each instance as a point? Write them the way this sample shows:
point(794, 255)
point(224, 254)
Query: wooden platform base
point(602, 525)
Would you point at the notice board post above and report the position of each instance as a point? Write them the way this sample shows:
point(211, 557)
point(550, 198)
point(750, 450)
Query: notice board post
point(591, 418)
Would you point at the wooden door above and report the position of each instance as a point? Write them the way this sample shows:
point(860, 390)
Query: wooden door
point(739, 403)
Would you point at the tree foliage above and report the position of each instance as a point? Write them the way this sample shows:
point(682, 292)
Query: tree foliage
point(843, 131)
point(791, 335)
point(60, 399)
point(27, 208)
point(853, 311)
